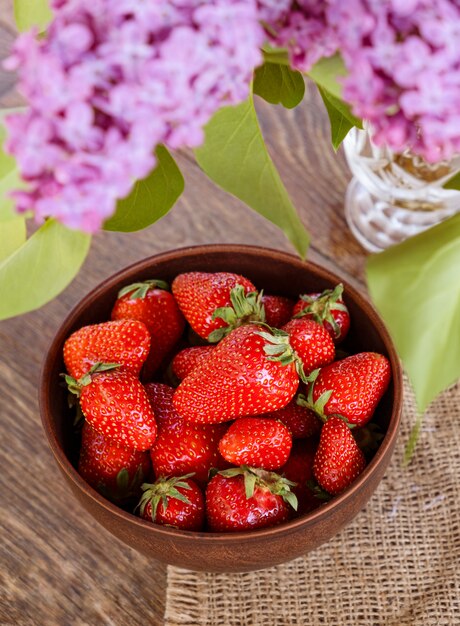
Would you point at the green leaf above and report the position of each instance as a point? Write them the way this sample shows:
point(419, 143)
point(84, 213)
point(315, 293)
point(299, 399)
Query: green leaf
point(275, 55)
point(453, 183)
point(416, 287)
point(234, 156)
point(340, 125)
point(12, 236)
point(151, 198)
point(7, 162)
point(326, 72)
point(278, 84)
point(41, 268)
point(28, 13)
point(8, 183)
point(9, 180)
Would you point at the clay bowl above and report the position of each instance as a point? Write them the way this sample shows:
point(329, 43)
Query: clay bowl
point(277, 273)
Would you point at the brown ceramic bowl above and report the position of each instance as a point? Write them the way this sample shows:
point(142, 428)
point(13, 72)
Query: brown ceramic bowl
point(277, 273)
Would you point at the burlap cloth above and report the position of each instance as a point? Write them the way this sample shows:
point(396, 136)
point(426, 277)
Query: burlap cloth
point(397, 563)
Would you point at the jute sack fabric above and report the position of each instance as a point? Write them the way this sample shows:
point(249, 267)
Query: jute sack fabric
point(397, 564)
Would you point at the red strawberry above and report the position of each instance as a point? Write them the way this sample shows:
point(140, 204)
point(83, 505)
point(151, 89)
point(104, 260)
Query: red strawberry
point(150, 302)
point(256, 441)
point(247, 498)
point(116, 405)
point(125, 342)
point(311, 342)
point(176, 502)
point(338, 460)
point(351, 387)
point(326, 308)
point(113, 470)
point(199, 294)
point(301, 422)
point(187, 359)
point(278, 310)
point(160, 397)
point(181, 447)
point(247, 373)
point(299, 469)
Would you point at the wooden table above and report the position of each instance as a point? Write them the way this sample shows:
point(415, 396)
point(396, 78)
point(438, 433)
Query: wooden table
point(58, 567)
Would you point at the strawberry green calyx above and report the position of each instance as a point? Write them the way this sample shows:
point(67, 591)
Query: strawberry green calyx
point(369, 437)
point(257, 477)
point(162, 490)
point(320, 308)
point(279, 349)
point(75, 386)
point(139, 290)
point(125, 488)
point(317, 491)
point(308, 402)
point(318, 406)
point(245, 308)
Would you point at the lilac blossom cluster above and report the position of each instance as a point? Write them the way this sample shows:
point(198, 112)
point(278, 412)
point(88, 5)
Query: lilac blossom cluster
point(402, 58)
point(112, 80)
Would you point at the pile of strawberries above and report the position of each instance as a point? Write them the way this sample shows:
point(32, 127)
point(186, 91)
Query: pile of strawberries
point(213, 406)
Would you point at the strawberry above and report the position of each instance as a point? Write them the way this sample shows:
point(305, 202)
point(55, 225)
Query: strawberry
point(181, 447)
point(125, 342)
point(115, 403)
point(187, 359)
point(247, 373)
point(299, 469)
point(301, 422)
point(256, 441)
point(200, 294)
point(160, 397)
point(176, 502)
point(278, 310)
point(150, 302)
point(338, 460)
point(116, 472)
point(311, 342)
point(328, 309)
point(351, 388)
point(244, 498)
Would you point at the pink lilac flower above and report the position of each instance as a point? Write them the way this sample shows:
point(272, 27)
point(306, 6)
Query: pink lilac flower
point(403, 62)
point(111, 81)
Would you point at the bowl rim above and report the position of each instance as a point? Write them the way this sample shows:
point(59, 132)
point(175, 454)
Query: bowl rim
point(322, 512)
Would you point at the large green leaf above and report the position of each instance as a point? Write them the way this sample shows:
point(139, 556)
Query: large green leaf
point(28, 13)
point(278, 84)
point(12, 236)
point(41, 268)
point(340, 123)
point(234, 156)
point(326, 72)
point(416, 287)
point(151, 198)
point(453, 183)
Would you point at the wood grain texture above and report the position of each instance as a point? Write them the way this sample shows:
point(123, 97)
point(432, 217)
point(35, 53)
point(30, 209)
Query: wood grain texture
point(57, 567)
